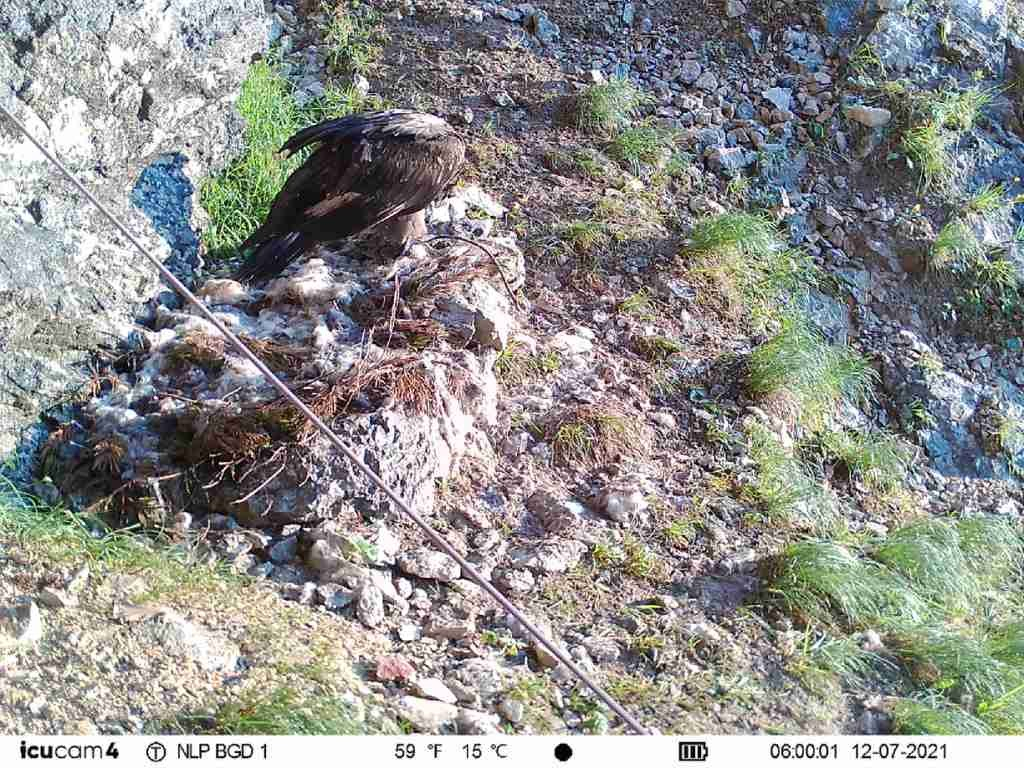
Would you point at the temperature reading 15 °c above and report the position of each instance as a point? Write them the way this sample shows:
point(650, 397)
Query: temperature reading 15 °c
point(476, 751)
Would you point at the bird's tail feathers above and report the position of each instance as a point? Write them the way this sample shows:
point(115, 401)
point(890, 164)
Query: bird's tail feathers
point(272, 256)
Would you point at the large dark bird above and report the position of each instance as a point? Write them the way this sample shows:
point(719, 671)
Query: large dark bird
point(377, 171)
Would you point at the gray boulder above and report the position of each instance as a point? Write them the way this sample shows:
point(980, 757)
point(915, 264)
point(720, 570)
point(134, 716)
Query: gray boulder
point(135, 98)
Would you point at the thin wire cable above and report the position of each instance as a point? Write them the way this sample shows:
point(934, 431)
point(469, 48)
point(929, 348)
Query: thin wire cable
point(338, 443)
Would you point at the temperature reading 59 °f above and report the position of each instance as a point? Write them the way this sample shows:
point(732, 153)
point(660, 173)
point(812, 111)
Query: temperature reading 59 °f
point(476, 751)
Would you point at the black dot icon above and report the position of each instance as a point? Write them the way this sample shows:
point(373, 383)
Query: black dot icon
point(563, 752)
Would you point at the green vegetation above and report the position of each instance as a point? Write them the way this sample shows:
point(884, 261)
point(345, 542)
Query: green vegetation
point(591, 434)
point(238, 199)
point(353, 37)
point(61, 536)
point(926, 148)
point(638, 304)
point(955, 244)
point(584, 236)
point(798, 362)
point(933, 715)
point(880, 461)
point(639, 144)
point(943, 593)
point(933, 122)
point(657, 348)
point(989, 199)
point(988, 290)
point(285, 711)
point(784, 487)
point(742, 255)
point(514, 366)
point(604, 108)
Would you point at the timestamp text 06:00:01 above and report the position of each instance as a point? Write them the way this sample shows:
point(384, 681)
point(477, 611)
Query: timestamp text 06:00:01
point(861, 751)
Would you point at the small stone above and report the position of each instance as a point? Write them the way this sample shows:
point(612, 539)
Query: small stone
point(335, 597)
point(77, 582)
point(408, 633)
point(391, 668)
point(782, 98)
point(689, 71)
point(663, 419)
point(427, 715)
point(707, 81)
point(473, 723)
point(429, 564)
point(370, 608)
point(549, 557)
point(432, 688)
point(285, 550)
point(621, 504)
point(872, 642)
point(515, 581)
point(183, 639)
point(512, 710)
point(449, 630)
point(602, 649)
point(573, 343)
point(361, 85)
point(872, 117)
point(704, 632)
point(502, 99)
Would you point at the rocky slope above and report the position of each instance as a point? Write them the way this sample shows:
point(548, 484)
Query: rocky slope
point(606, 470)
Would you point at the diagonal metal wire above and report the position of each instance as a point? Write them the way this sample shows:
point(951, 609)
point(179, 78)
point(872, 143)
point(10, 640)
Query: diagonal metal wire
point(338, 443)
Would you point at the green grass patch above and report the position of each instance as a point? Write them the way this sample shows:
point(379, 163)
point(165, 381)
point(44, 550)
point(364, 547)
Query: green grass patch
point(285, 711)
point(783, 485)
point(928, 554)
point(799, 362)
point(742, 255)
point(657, 348)
point(878, 460)
point(61, 536)
point(639, 304)
point(987, 200)
point(934, 716)
point(514, 366)
point(585, 236)
point(604, 108)
point(591, 434)
point(820, 579)
point(353, 37)
point(639, 144)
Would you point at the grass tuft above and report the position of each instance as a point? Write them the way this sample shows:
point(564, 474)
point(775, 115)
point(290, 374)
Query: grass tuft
point(63, 536)
point(783, 485)
point(934, 716)
point(607, 107)
point(638, 145)
point(879, 460)
point(815, 578)
point(353, 37)
point(285, 712)
point(928, 553)
point(798, 361)
point(591, 434)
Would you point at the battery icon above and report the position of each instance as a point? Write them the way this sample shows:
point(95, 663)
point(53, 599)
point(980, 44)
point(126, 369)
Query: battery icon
point(693, 751)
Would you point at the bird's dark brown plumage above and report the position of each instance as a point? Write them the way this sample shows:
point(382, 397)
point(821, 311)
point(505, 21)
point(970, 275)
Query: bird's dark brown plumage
point(368, 169)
